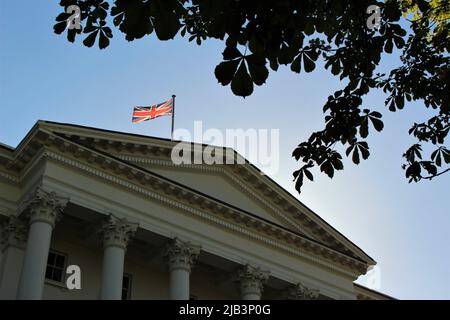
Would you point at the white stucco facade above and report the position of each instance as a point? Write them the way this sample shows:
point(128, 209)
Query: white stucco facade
point(114, 203)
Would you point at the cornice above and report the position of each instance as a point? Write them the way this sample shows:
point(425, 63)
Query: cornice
point(12, 165)
point(364, 293)
point(9, 177)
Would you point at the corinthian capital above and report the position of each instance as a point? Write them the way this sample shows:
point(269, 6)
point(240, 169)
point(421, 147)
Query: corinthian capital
point(301, 292)
point(13, 233)
point(181, 255)
point(251, 279)
point(117, 231)
point(45, 206)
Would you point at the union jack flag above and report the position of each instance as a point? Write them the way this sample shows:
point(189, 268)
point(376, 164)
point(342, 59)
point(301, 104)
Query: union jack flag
point(149, 113)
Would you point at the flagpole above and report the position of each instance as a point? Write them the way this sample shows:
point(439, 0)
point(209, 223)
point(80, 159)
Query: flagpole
point(173, 115)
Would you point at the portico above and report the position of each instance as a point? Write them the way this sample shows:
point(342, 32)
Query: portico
point(175, 258)
point(109, 203)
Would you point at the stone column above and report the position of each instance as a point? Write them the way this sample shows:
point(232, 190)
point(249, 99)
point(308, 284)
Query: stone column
point(12, 245)
point(251, 282)
point(180, 257)
point(301, 292)
point(116, 234)
point(43, 210)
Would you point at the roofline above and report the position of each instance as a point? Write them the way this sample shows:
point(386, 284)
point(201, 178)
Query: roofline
point(114, 131)
point(24, 139)
point(6, 147)
point(374, 291)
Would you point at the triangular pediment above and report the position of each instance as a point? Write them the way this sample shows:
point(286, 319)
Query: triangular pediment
point(242, 186)
point(220, 183)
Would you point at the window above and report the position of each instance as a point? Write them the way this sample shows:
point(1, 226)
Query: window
point(56, 265)
point(126, 286)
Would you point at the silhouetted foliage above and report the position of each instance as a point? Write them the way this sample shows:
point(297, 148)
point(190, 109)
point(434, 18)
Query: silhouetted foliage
point(260, 34)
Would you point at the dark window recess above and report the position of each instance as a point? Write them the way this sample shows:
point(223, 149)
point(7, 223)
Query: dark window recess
point(56, 264)
point(126, 286)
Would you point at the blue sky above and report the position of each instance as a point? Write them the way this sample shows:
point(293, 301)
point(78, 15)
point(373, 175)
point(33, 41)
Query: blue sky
point(404, 227)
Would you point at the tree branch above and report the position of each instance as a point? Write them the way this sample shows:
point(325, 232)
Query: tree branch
point(434, 176)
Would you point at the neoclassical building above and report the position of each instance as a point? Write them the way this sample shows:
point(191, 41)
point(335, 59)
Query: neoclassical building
point(113, 209)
